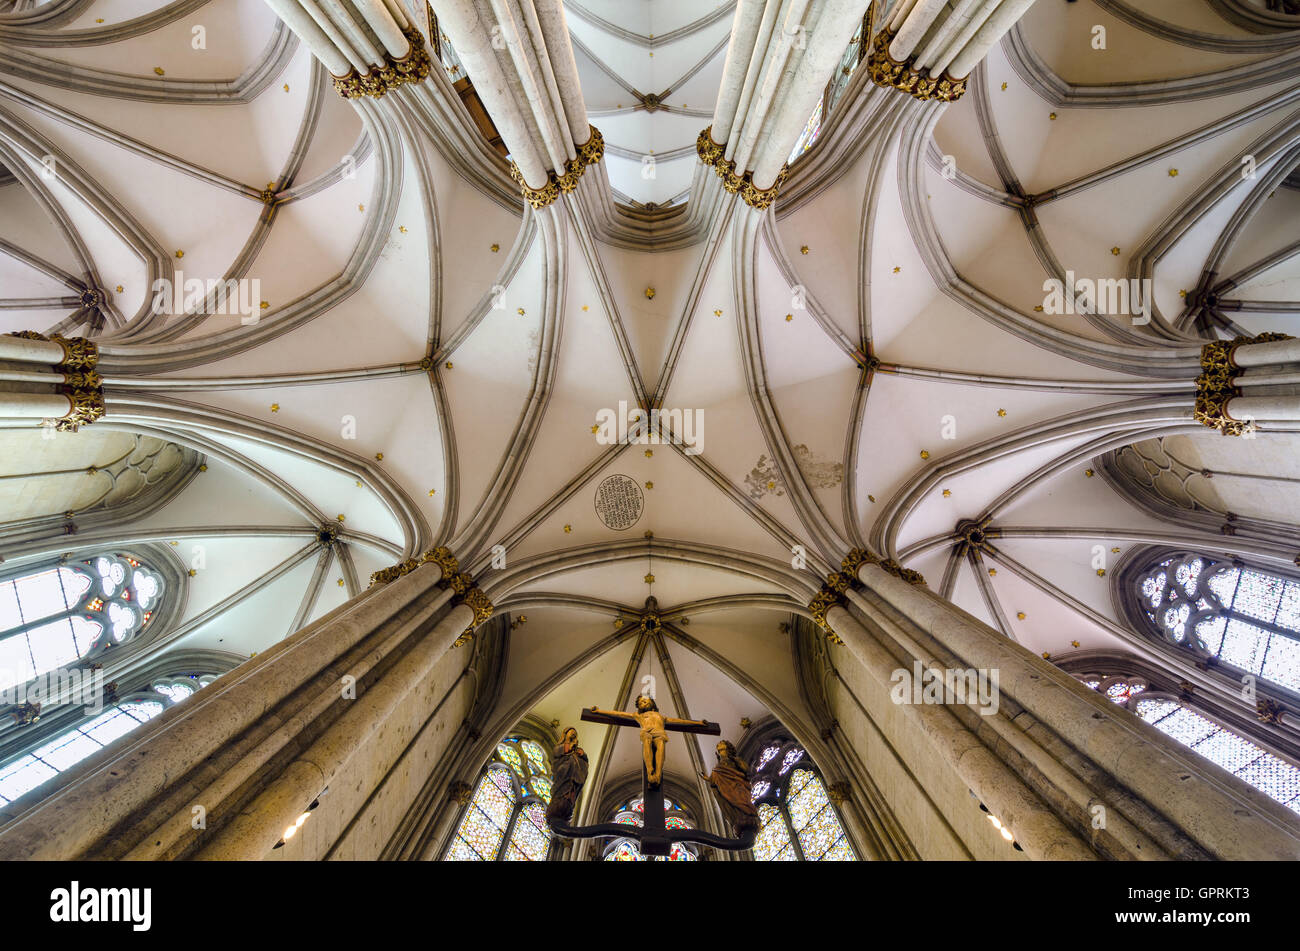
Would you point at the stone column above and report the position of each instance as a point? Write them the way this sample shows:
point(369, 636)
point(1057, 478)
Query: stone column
point(744, 34)
point(995, 27)
point(1136, 770)
point(559, 50)
point(261, 823)
point(471, 28)
point(1038, 830)
point(386, 28)
point(30, 350)
point(255, 748)
point(1271, 353)
point(824, 45)
point(929, 47)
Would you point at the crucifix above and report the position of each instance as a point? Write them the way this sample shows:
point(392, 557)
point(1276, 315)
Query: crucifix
point(653, 836)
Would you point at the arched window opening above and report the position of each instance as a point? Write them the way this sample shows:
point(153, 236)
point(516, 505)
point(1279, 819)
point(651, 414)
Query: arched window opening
point(505, 818)
point(62, 752)
point(1243, 616)
point(1170, 715)
point(798, 820)
point(62, 613)
point(631, 814)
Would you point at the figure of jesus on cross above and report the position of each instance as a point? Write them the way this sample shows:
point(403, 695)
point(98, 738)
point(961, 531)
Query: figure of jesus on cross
point(653, 835)
point(654, 736)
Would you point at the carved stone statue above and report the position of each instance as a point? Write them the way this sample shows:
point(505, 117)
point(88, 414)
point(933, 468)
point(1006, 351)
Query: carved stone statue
point(732, 789)
point(569, 771)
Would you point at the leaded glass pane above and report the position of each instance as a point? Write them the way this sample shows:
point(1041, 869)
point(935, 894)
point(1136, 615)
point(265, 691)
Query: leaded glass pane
point(1234, 753)
point(841, 851)
point(462, 851)
point(510, 754)
point(497, 803)
point(790, 759)
point(174, 692)
point(15, 662)
point(1243, 645)
point(1279, 779)
point(1288, 612)
point(480, 832)
point(624, 852)
point(1258, 595)
point(812, 128)
point(1223, 584)
point(1186, 727)
point(767, 756)
point(1282, 661)
point(1122, 691)
point(1187, 575)
point(804, 804)
point(773, 836)
point(110, 725)
point(1155, 710)
point(530, 836)
point(23, 776)
point(49, 592)
point(820, 834)
point(536, 757)
point(67, 750)
point(70, 748)
point(1239, 612)
point(1174, 618)
point(1228, 750)
point(1210, 631)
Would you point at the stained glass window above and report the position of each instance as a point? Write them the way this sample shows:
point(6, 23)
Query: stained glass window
point(505, 818)
point(631, 814)
point(798, 820)
point(57, 615)
point(1244, 616)
point(1233, 752)
point(23, 774)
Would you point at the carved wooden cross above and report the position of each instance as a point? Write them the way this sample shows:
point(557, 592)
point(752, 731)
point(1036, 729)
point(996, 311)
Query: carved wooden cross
point(654, 837)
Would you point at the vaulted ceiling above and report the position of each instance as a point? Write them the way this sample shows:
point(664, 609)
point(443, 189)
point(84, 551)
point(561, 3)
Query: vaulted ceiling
point(428, 359)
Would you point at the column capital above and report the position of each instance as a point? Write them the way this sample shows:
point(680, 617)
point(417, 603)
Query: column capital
point(411, 68)
point(712, 154)
point(467, 591)
point(832, 593)
point(1214, 387)
point(886, 71)
point(589, 153)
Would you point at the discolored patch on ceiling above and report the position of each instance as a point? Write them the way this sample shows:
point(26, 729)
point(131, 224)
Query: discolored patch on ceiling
point(534, 349)
point(819, 471)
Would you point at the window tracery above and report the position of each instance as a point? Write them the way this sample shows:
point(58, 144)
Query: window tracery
point(798, 820)
point(26, 772)
point(1240, 615)
point(627, 850)
point(505, 818)
point(1169, 714)
point(62, 613)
